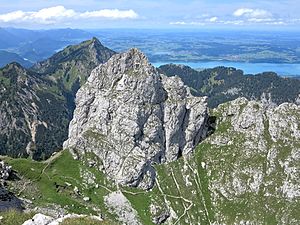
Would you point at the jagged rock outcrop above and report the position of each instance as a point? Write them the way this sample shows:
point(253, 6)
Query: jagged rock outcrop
point(159, 216)
point(129, 117)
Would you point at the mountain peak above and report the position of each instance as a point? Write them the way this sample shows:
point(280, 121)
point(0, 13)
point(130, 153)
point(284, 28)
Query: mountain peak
point(133, 62)
point(134, 112)
point(14, 68)
point(136, 51)
point(73, 65)
point(14, 65)
point(136, 56)
point(87, 52)
point(95, 40)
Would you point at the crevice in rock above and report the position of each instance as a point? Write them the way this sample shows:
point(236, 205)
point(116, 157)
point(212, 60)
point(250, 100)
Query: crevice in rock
point(211, 126)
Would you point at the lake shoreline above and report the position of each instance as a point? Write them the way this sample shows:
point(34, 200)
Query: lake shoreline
point(282, 69)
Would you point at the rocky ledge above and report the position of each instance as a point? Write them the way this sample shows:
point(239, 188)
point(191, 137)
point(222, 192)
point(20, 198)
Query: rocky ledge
point(129, 117)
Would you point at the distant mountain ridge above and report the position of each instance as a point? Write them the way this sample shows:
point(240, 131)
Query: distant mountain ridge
point(222, 84)
point(37, 103)
point(8, 57)
point(36, 45)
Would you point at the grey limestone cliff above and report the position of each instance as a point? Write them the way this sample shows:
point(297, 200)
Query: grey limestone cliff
point(129, 117)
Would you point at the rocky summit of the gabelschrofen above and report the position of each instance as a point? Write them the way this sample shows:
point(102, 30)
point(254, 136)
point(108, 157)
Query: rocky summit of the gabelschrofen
point(129, 117)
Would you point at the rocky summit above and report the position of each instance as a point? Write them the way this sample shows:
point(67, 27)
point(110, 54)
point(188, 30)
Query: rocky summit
point(129, 117)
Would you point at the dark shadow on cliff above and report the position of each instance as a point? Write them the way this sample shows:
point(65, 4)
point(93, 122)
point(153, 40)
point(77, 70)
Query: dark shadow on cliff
point(211, 126)
point(13, 176)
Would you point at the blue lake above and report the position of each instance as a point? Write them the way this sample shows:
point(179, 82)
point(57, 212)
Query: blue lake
point(282, 69)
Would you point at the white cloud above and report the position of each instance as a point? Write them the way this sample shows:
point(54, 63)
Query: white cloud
point(187, 23)
point(294, 21)
point(252, 13)
point(59, 13)
point(111, 13)
point(213, 19)
point(48, 14)
point(197, 23)
point(257, 16)
point(178, 23)
point(12, 16)
point(204, 15)
point(276, 23)
point(233, 22)
point(261, 20)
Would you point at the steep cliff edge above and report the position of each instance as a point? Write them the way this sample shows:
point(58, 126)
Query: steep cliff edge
point(129, 117)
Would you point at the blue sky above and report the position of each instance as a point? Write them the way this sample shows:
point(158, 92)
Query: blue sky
point(150, 14)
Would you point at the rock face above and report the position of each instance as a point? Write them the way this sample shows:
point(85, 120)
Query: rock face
point(245, 172)
point(129, 117)
point(252, 161)
point(118, 204)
